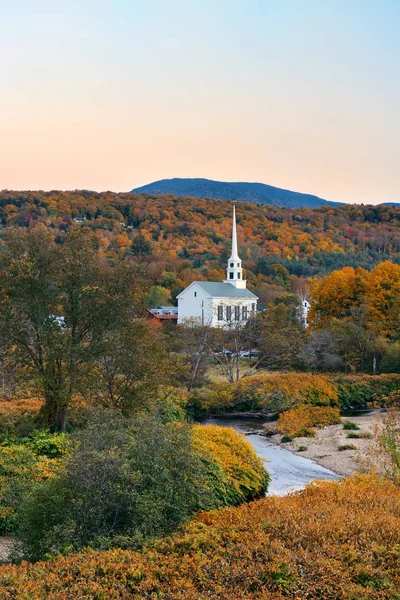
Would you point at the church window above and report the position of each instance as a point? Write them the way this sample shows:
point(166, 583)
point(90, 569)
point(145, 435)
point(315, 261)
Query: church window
point(228, 313)
point(253, 307)
point(195, 294)
point(237, 313)
point(232, 265)
point(238, 276)
point(238, 264)
point(244, 313)
point(220, 313)
point(230, 275)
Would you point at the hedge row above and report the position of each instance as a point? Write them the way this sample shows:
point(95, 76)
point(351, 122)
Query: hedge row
point(277, 392)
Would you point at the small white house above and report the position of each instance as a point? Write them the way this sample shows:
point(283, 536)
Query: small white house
point(219, 303)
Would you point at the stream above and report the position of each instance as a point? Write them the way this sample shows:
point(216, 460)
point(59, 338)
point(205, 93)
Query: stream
point(289, 472)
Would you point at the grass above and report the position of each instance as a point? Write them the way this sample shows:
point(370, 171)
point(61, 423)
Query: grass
point(363, 435)
point(347, 447)
point(301, 448)
point(350, 425)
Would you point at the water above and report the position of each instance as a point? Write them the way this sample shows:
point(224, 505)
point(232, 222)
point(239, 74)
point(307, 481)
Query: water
point(289, 472)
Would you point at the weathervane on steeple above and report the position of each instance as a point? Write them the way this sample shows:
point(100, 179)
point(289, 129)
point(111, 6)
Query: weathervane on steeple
point(234, 271)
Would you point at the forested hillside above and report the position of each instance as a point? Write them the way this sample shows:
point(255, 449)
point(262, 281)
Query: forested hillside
point(257, 193)
point(189, 238)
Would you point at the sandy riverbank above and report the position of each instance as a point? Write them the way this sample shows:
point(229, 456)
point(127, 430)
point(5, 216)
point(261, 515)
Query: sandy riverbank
point(324, 448)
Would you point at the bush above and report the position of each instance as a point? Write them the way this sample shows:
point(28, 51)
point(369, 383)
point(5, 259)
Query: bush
point(332, 540)
point(268, 393)
point(301, 448)
point(232, 468)
point(137, 481)
point(286, 438)
point(347, 447)
point(300, 421)
point(18, 417)
point(358, 392)
point(350, 425)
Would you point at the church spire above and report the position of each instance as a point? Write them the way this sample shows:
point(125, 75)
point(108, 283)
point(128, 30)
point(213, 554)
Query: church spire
point(234, 254)
point(234, 272)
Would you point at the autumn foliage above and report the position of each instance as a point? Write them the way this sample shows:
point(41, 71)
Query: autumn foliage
point(236, 472)
point(337, 541)
point(300, 421)
point(18, 416)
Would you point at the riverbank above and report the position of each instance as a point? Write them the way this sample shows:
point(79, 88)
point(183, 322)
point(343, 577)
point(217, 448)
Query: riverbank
point(324, 448)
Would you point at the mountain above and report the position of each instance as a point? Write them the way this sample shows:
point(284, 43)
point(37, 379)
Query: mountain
point(257, 193)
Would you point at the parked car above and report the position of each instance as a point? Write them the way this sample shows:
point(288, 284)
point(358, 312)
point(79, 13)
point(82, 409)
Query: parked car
point(250, 353)
point(225, 352)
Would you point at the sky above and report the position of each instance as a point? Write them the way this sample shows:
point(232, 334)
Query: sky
point(114, 94)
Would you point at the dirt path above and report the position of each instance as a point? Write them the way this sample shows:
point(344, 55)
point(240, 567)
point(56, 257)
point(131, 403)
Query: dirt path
point(324, 448)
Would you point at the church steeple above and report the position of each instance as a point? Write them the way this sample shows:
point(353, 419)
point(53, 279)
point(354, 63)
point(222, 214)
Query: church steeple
point(234, 272)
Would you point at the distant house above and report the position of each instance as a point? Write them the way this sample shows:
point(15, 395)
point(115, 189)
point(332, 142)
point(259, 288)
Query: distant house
point(80, 219)
point(219, 303)
point(164, 314)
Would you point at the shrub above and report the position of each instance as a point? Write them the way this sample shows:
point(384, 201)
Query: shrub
point(357, 392)
point(17, 417)
point(137, 481)
point(286, 438)
point(350, 425)
point(233, 470)
point(347, 447)
point(332, 540)
point(300, 421)
point(301, 448)
point(268, 393)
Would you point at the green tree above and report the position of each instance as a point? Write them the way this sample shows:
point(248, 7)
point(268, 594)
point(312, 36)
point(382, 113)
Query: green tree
point(58, 304)
point(141, 246)
point(159, 296)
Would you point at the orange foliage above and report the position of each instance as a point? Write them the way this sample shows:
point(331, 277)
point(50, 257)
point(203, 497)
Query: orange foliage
point(334, 541)
point(14, 414)
point(300, 421)
point(336, 295)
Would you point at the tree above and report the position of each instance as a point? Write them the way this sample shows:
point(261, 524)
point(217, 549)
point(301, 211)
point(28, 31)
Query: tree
point(136, 365)
point(58, 303)
point(335, 295)
point(383, 298)
point(320, 351)
point(159, 296)
point(141, 246)
point(279, 337)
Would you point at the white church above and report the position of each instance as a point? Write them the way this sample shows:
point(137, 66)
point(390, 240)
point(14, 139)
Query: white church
point(219, 303)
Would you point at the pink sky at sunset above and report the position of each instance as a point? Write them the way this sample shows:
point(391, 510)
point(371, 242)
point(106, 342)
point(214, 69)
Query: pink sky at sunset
point(108, 95)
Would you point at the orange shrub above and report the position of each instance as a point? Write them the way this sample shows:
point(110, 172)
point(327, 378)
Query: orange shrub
point(334, 541)
point(18, 416)
point(300, 421)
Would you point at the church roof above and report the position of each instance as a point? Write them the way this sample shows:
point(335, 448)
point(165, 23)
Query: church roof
point(218, 289)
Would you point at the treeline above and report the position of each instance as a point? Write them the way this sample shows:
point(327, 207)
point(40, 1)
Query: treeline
point(190, 238)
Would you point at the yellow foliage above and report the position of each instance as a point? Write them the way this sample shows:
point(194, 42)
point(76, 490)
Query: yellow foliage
point(243, 473)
